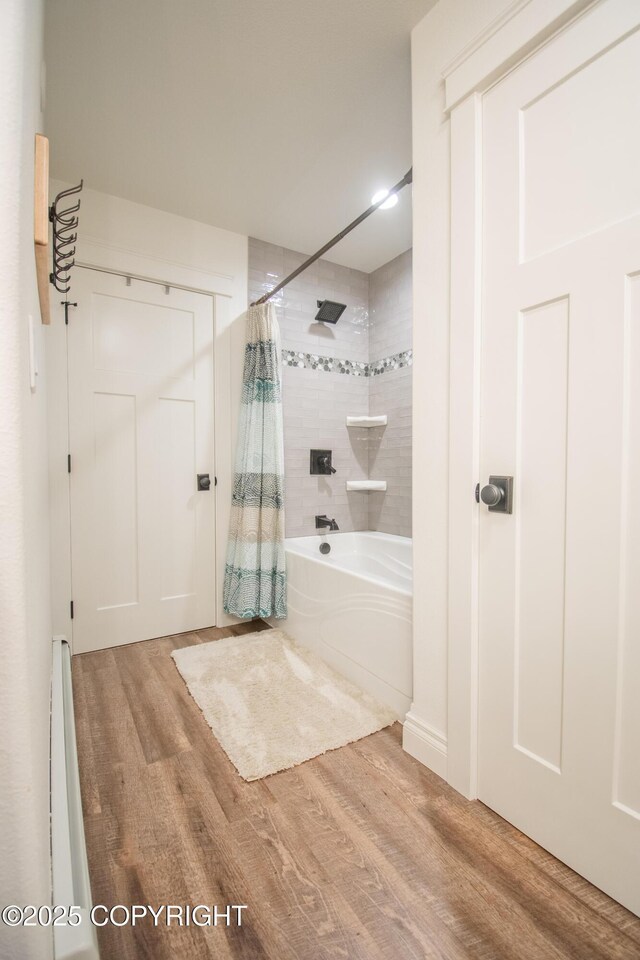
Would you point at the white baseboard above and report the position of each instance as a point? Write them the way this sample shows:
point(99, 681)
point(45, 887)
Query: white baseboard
point(424, 743)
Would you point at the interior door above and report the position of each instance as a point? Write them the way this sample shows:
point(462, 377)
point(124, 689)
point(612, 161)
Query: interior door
point(559, 684)
point(141, 430)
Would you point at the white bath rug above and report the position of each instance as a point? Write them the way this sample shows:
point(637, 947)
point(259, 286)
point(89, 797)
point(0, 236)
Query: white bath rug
point(273, 704)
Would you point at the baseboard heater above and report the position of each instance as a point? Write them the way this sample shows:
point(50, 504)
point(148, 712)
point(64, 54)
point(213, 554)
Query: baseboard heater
point(68, 851)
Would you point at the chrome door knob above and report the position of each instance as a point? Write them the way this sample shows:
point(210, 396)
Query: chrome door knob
point(491, 495)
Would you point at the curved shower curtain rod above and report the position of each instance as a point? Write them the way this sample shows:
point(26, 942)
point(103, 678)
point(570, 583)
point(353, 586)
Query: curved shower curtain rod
point(408, 178)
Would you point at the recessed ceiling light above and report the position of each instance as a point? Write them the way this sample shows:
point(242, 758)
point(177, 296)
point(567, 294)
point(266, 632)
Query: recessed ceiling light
point(391, 202)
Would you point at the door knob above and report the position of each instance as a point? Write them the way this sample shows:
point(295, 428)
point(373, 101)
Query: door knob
point(491, 495)
point(204, 481)
point(497, 494)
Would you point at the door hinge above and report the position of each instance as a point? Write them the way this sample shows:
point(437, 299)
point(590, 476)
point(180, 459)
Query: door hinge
point(215, 481)
point(71, 609)
point(68, 463)
point(66, 304)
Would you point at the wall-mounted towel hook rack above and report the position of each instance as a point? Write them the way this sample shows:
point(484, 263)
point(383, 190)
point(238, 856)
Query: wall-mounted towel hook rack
point(69, 221)
point(68, 193)
point(64, 222)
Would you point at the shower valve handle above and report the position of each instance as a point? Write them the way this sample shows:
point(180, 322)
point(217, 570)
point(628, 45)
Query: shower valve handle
point(325, 462)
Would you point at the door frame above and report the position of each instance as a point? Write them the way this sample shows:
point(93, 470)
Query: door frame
point(516, 34)
point(108, 258)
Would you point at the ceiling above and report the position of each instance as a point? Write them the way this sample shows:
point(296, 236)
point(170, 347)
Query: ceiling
point(273, 118)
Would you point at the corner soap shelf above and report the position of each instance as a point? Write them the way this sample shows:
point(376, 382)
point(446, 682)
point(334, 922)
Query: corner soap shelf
point(367, 485)
point(380, 421)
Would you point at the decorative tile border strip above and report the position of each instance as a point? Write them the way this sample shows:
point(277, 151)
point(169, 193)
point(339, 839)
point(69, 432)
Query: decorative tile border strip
point(394, 362)
point(313, 361)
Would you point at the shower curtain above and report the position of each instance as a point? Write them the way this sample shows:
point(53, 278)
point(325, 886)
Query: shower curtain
point(255, 582)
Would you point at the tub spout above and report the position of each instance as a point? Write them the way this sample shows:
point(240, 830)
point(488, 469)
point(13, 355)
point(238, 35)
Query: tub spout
point(324, 521)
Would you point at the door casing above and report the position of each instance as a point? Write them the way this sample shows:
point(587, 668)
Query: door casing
point(228, 354)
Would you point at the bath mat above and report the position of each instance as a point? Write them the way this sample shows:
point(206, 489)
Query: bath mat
point(273, 704)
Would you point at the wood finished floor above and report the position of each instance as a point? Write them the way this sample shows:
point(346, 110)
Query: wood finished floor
point(360, 854)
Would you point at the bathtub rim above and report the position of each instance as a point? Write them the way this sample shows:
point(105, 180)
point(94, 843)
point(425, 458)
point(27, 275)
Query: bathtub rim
point(321, 561)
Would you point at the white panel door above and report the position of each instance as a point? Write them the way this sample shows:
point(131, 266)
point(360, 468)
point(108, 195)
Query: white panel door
point(559, 685)
point(141, 429)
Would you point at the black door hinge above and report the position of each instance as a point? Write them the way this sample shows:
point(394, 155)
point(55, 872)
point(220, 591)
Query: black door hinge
point(66, 304)
point(215, 481)
point(68, 463)
point(71, 609)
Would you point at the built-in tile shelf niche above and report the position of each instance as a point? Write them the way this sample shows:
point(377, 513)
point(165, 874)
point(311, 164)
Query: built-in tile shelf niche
point(380, 421)
point(367, 485)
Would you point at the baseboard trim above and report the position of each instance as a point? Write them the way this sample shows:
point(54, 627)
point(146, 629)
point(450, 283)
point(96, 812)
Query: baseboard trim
point(69, 867)
point(426, 744)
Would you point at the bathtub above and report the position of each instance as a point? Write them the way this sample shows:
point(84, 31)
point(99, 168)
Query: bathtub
point(353, 607)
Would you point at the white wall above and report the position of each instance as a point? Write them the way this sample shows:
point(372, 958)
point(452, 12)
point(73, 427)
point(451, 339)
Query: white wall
point(152, 243)
point(25, 628)
point(438, 38)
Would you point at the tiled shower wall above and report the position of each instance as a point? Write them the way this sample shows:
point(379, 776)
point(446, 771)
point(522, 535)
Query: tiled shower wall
point(390, 449)
point(328, 375)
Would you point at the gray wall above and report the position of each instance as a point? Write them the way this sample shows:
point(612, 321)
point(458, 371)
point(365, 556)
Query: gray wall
point(390, 393)
point(317, 400)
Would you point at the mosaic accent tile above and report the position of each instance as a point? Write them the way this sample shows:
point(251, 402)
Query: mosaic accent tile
point(394, 362)
point(313, 361)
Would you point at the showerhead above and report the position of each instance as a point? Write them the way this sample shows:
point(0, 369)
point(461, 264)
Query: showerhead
point(329, 312)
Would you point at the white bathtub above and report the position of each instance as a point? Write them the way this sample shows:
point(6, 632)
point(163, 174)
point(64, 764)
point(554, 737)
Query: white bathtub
point(353, 607)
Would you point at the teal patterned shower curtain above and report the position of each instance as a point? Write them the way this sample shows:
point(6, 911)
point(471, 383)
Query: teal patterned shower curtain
point(255, 582)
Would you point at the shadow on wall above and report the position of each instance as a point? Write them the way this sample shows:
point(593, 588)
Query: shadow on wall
point(323, 332)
